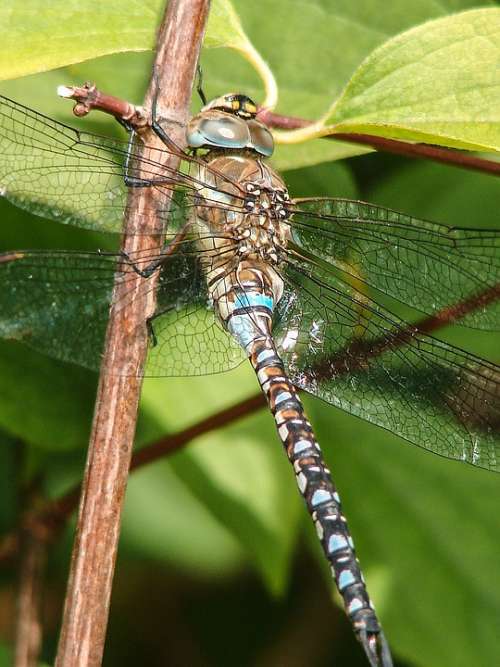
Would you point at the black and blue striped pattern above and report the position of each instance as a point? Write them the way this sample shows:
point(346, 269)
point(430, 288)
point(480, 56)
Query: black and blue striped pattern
point(250, 322)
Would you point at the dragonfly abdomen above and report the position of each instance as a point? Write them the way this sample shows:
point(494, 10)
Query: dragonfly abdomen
point(246, 309)
point(314, 482)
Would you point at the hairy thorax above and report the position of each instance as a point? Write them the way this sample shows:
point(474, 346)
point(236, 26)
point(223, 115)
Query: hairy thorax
point(240, 220)
point(244, 210)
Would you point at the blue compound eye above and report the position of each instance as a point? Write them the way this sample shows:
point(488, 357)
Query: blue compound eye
point(261, 138)
point(219, 129)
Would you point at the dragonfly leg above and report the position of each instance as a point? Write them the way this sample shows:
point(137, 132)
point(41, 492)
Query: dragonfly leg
point(199, 85)
point(139, 182)
point(161, 134)
point(153, 338)
point(151, 331)
point(166, 251)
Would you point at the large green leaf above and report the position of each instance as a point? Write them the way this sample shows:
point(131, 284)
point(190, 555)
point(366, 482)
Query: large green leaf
point(240, 473)
point(309, 72)
point(165, 521)
point(69, 32)
point(6, 655)
point(43, 402)
point(455, 197)
point(438, 83)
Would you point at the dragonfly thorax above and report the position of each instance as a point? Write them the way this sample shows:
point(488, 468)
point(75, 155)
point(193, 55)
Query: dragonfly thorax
point(241, 224)
point(251, 218)
point(262, 234)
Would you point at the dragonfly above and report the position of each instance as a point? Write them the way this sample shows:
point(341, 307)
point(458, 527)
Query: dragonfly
point(297, 286)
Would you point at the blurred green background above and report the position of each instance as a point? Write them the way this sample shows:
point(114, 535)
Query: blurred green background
point(218, 564)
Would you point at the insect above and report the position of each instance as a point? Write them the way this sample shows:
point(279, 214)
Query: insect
point(249, 272)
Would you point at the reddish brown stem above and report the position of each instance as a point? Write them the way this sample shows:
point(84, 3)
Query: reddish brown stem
point(356, 354)
point(423, 151)
point(87, 601)
point(28, 625)
point(172, 443)
point(459, 310)
point(88, 97)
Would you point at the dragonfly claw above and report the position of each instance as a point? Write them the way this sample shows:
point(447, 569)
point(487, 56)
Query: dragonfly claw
point(376, 648)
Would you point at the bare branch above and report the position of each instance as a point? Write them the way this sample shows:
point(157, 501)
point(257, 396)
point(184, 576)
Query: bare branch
point(94, 552)
point(31, 576)
point(89, 97)
point(356, 354)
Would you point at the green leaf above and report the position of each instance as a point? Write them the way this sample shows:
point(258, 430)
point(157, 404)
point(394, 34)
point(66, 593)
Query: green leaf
point(69, 32)
point(456, 197)
point(224, 29)
point(333, 177)
point(239, 473)
point(164, 520)
point(309, 71)
point(438, 83)
point(6, 655)
point(43, 402)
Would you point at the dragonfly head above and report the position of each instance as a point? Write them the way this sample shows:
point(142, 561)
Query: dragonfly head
point(229, 122)
point(234, 103)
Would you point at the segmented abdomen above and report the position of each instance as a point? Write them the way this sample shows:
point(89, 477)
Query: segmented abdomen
point(314, 482)
point(251, 301)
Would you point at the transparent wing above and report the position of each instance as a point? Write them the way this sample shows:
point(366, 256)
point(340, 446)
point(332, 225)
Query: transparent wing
point(191, 342)
point(58, 303)
point(422, 264)
point(189, 338)
point(76, 177)
point(342, 347)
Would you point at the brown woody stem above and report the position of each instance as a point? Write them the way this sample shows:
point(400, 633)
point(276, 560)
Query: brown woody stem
point(88, 97)
point(94, 552)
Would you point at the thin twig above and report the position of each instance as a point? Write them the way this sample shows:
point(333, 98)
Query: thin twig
point(422, 151)
point(355, 355)
point(88, 98)
point(171, 443)
point(89, 587)
point(31, 574)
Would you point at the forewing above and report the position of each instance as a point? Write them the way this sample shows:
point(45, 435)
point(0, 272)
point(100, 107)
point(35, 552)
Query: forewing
point(342, 347)
point(57, 302)
point(427, 266)
point(76, 177)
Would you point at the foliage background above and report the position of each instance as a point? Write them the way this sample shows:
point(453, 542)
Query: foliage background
point(218, 564)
